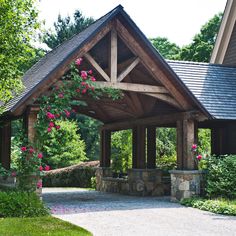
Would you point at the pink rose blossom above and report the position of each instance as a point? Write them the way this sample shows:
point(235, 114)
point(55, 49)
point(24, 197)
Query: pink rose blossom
point(31, 150)
point(67, 113)
point(92, 88)
point(84, 74)
point(77, 90)
point(199, 157)
point(83, 83)
point(40, 155)
point(90, 72)
point(51, 124)
point(93, 79)
point(194, 146)
point(84, 91)
point(39, 184)
point(78, 61)
point(23, 149)
point(58, 126)
point(49, 129)
point(50, 115)
point(41, 168)
point(47, 168)
point(13, 174)
point(60, 95)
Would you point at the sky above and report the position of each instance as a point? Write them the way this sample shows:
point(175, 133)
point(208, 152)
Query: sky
point(178, 20)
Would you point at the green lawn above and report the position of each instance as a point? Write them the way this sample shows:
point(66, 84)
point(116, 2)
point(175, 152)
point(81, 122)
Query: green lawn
point(220, 205)
point(39, 226)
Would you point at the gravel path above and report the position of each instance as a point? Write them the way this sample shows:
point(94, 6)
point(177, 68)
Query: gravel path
point(106, 214)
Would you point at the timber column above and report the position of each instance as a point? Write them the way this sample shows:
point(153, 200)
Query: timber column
point(5, 144)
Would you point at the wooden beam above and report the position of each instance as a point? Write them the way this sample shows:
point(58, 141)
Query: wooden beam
point(151, 147)
point(113, 58)
point(97, 66)
point(105, 148)
point(61, 69)
point(128, 69)
point(132, 87)
point(5, 145)
point(151, 65)
point(165, 98)
point(154, 120)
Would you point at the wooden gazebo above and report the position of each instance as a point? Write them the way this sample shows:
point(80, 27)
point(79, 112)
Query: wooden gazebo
point(156, 93)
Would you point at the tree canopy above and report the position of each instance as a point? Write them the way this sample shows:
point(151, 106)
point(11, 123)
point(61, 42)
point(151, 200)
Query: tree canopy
point(66, 27)
point(18, 24)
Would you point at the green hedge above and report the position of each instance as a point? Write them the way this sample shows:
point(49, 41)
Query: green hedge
point(220, 206)
point(73, 176)
point(21, 204)
point(221, 177)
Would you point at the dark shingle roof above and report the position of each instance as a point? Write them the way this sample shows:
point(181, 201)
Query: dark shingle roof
point(213, 85)
point(52, 60)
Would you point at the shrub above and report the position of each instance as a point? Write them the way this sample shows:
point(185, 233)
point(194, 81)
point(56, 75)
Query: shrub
point(64, 146)
point(220, 180)
point(220, 206)
point(21, 204)
point(166, 162)
point(72, 176)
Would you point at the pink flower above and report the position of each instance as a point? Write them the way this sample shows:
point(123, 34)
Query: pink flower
point(78, 61)
point(13, 174)
point(60, 95)
point(77, 90)
point(90, 72)
point(49, 129)
point(51, 124)
point(83, 83)
point(84, 91)
point(92, 88)
point(47, 168)
point(67, 113)
point(93, 79)
point(39, 184)
point(23, 149)
point(194, 146)
point(31, 150)
point(58, 126)
point(40, 155)
point(57, 115)
point(199, 157)
point(84, 74)
point(50, 115)
point(41, 168)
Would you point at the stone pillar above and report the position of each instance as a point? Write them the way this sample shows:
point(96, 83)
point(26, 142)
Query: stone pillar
point(5, 144)
point(151, 147)
point(139, 146)
point(105, 148)
point(100, 173)
point(30, 118)
point(186, 137)
point(186, 184)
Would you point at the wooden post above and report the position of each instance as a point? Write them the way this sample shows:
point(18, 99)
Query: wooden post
point(105, 148)
point(139, 144)
point(30, 118)
point(5, 145)
point(113, 59)
point(151, 147)
point(186, 137)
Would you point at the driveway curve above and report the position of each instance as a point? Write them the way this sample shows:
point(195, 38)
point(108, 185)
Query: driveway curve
point(106, 214)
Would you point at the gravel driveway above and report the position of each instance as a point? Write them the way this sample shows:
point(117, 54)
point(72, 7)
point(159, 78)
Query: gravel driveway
point(106, 214)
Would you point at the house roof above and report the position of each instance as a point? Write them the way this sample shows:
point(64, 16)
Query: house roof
point(210, 87)
point(213, 85)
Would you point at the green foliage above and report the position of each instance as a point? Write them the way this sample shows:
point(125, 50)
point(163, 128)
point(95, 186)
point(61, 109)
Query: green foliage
point(121, 151)
point(220, 206)
point(204, 141)
point(202, 45)
point(93, 182)
point(166, 162)
point(66, 27)
point(167, 49)
point(21, 204)
point(166, 142)
point(18, 24)
point(64, 147)
point(220, 180)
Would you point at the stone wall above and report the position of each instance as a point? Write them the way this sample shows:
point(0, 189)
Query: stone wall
point(186, 184)
point(140, 182)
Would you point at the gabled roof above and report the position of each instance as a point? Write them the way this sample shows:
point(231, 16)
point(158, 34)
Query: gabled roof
point(213, 85)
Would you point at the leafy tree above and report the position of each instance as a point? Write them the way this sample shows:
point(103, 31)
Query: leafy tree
point(64, 147)
point(202, 45)
point(66, 27)
point(18, 24)
point(167, 49)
